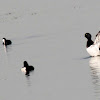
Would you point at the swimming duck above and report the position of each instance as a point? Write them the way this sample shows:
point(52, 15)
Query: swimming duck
point(93, 48)
point(27, 69)
point(6, 42)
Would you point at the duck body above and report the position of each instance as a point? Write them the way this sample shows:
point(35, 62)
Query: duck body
point(93, 48)
point(27, 68)
point(6, 42)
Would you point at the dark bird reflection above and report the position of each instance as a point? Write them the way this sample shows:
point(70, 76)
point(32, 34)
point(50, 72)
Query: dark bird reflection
point(95, 73)
point(28, 80)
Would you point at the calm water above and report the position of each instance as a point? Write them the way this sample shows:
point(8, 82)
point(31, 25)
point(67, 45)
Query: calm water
point(50, 36)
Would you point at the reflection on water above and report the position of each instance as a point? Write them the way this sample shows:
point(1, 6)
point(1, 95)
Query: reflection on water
point(95, 73)
point(29, 79)
point(7, 48)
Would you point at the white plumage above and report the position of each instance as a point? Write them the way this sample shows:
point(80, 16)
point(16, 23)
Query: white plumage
point(93, 50)
point(23, 69)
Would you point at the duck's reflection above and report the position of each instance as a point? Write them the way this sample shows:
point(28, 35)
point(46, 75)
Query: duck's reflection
point(28, 81)
point(6, 48)
point(95, 73)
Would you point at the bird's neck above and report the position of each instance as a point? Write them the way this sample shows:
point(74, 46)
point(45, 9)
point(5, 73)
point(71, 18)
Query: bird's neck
point(89, 42)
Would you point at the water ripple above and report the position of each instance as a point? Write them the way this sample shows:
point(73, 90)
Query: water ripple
point(94, 64)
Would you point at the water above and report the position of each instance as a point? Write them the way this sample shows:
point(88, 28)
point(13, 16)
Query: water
point(50, 36)
point(95, 73)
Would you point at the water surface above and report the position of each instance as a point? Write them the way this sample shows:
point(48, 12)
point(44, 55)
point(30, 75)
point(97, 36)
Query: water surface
point(50, 36)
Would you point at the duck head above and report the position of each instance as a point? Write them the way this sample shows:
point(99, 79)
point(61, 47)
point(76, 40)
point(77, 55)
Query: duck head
point(4, 39)
point(25, 64)
point(88, 36)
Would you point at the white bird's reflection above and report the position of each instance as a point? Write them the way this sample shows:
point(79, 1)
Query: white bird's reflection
point(5, 48)
point(95, 73)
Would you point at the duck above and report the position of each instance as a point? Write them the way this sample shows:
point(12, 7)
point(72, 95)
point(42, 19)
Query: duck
point(93, 47)
point(6, 42)
point(27, 68)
